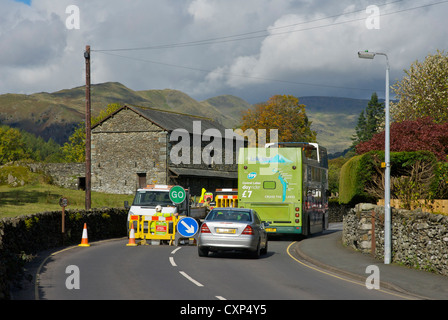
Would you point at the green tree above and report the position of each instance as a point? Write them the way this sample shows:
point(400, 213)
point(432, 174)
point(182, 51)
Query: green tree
point(370, 121)
point(12, 147)
point(284, 113)
point(423, 91)
point(75, 149)
point(40, 150)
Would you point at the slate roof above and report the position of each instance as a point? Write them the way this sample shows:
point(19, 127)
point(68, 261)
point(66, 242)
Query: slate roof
point(170, 121)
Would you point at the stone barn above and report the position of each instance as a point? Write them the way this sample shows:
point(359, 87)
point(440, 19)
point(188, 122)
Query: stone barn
point(136, 146)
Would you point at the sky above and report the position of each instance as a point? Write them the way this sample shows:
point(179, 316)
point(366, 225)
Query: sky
point(252, 49)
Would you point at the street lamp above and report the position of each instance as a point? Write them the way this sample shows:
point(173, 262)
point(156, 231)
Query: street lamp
point(387, 227)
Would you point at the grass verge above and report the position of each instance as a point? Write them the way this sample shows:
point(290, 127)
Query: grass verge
point(29, 199)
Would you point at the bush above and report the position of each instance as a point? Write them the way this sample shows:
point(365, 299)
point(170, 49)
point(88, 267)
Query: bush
point(413, 174)
point(352, 182)
point(417, 135)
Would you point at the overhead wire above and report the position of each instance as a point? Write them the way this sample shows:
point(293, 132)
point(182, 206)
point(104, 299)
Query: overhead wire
point(242, 36)
point(236, 75)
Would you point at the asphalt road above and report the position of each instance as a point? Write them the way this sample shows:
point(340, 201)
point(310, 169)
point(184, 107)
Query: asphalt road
point(110, 270)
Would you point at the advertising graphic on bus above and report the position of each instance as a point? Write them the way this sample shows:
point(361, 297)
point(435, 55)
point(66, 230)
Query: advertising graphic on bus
point(287, 184)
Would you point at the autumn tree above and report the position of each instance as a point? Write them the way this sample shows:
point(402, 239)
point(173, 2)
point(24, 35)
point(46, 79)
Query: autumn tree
point(281, 112)
point(423, 92)
point(412, 135)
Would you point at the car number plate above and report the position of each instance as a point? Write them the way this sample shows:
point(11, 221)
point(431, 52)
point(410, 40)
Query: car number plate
point(225, 230)
point(271, 230)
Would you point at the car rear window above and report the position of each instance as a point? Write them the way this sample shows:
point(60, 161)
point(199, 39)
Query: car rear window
point(229, 215)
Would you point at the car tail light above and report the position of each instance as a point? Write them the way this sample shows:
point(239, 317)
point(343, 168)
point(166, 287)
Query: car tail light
point(297, 215)
point(248, 230)
point(297, 220)
point(205, 229)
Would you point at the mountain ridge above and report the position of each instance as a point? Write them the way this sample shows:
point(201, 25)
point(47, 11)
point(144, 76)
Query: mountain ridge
point(55, 115)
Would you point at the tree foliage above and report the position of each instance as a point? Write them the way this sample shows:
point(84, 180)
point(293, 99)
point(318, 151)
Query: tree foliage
point(284, 113)
point(423, 92)
point(40, 150)
point(75, 149)
point(414, 176)
point(16, 145)
point(12, 147)
point(412, 135)
point(370, 121)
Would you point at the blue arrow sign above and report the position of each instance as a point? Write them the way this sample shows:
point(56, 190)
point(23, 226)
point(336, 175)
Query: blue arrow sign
point(187, 227)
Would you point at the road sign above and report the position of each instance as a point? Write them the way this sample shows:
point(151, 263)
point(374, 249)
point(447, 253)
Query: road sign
point(63, 202)
point(187, 227)
point(177, 194)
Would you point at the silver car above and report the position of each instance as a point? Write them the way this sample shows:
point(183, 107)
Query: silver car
point(233, 229)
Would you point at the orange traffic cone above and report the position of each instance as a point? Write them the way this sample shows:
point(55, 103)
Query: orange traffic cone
point(84, 241)
point(132, 238)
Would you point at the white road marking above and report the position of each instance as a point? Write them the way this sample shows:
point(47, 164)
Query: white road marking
point(221, 298)
point(191, 279)
point(172, 262)
point(175, 250)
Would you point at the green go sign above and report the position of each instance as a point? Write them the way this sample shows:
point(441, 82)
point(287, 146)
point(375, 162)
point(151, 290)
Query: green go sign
point(177, 194)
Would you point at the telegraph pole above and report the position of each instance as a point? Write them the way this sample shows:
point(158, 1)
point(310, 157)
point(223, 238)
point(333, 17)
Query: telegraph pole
point(88, 130)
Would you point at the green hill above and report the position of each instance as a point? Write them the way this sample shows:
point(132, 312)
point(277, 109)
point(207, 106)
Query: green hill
point(334, 119)
point(55, 114)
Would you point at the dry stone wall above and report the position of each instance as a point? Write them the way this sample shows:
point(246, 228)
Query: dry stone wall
point(419, 239)
point(24, 236)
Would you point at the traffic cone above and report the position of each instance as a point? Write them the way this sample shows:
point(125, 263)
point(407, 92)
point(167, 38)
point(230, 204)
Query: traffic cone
point(132, 238)
point(84, 241)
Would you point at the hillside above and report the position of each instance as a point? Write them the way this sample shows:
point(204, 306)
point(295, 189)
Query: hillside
point(54, 115)
point(334, 119)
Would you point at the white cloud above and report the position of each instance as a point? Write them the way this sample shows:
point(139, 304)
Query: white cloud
point(38, 53)
point(328, 49)
point(202, 10)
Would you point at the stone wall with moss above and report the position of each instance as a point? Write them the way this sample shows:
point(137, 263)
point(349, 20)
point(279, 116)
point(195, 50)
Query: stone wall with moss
point(24, 236)
point(419, 239)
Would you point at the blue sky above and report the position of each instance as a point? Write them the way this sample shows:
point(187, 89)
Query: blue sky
point(28, 2)
point(253, 49)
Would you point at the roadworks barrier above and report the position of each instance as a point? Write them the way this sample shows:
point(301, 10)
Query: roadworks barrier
point(154, 229)
point(226, 201)
point(157, 229)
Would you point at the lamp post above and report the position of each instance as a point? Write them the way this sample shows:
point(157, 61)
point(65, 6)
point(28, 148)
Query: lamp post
point(387, 226)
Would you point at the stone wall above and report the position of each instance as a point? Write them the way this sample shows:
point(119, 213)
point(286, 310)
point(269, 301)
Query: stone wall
point(125, 147)
point(419, 239)
point(336, 211)
point(24, 236)
point(66, 175)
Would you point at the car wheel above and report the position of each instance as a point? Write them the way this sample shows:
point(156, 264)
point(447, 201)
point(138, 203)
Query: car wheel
point(257, 252)
point(202, 252)
point(265, 249)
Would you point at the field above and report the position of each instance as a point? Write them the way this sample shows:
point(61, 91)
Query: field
point(30, 199)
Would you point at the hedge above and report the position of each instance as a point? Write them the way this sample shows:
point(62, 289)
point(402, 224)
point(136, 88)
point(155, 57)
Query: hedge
point(358, 172)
